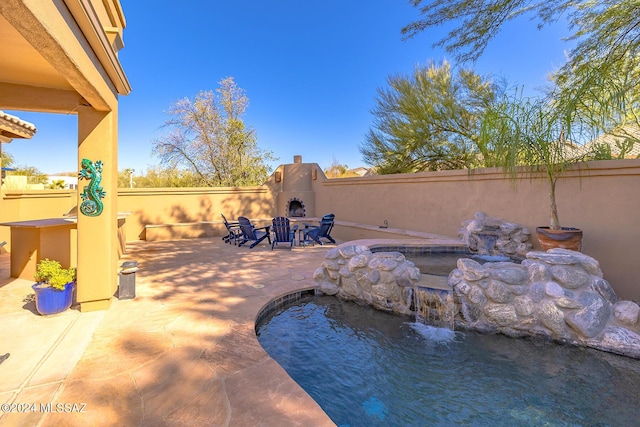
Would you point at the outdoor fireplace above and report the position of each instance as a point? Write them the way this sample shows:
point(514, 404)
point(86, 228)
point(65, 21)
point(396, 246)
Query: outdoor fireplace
point(295, 208)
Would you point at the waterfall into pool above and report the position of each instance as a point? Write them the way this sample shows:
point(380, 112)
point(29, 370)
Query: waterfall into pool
point(434, 307)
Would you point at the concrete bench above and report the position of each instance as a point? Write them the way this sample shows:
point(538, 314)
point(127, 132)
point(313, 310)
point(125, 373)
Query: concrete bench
point(343, 230)
point(184, 230)
point(192, 230)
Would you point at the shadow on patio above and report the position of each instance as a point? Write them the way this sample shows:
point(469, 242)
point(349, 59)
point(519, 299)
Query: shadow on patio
point(184, 351)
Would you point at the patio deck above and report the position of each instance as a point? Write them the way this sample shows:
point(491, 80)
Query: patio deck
point(183, 352)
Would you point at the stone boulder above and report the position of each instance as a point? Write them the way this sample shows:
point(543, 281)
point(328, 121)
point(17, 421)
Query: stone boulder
point(384, 280)
point(560, 294)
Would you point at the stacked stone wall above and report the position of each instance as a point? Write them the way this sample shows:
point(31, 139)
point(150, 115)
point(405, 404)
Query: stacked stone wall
point(384, 280)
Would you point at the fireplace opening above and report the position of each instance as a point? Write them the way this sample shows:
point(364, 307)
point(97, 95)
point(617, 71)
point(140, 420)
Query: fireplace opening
point(295, 208)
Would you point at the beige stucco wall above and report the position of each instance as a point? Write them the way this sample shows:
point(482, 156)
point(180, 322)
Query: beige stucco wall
point(603, 200)
point(25, 205)
point(189, 206)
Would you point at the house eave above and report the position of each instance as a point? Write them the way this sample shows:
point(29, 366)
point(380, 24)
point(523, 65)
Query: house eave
point(12, 127)
point(88, 21)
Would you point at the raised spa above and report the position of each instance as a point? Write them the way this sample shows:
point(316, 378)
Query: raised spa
point(559, 294)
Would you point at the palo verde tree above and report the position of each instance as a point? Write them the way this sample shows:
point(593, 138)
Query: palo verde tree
point(429, 120)
point(606, 31)
point(208, 138)
point(607, 44)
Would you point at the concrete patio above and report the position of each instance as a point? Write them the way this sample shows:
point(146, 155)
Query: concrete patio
point(183, 352)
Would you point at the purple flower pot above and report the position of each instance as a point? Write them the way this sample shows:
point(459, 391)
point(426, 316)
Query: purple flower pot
point(51, 301)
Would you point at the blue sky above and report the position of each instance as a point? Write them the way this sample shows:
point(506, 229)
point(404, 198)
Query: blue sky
point(309, 68)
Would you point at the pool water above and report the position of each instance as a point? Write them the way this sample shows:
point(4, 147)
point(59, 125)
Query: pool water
point(370, 368)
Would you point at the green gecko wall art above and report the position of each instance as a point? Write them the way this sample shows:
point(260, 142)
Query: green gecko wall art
point(91, 204)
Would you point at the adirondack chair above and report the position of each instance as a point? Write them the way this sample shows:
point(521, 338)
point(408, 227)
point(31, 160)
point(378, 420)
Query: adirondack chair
point(313, 233)
point(282, 231)
point(250, 233)
point(233, 231)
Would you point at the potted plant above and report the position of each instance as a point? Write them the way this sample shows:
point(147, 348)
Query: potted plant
point(54, 287)
point(531, 137)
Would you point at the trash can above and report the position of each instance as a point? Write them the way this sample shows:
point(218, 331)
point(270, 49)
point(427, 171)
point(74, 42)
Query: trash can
point(127, 280)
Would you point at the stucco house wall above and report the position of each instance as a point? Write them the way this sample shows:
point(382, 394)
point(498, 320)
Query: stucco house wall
point(62, 57)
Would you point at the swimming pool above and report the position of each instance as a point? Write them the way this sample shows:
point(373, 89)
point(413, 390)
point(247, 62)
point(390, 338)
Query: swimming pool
point(366, 367)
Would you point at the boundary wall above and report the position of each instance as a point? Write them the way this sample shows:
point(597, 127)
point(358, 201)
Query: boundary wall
point(27, 205)
point(602, 199)
point(178, 213)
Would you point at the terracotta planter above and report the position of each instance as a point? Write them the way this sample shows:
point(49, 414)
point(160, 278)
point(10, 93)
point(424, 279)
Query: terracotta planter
point(566, 238)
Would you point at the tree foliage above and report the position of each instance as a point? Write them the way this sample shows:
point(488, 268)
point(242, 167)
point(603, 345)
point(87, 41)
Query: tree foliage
point(607, 36)
point(208, 138)
point(58, 184)
point(608, 103)
point(338, 170)
point(125, 178)
point(606, 31)
point(6, 160)
point(158, 177)
point(537, 137)
point(428, 121)
point(33, 174)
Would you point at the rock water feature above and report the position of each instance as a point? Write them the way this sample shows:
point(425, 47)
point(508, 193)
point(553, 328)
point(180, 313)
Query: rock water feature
point(385, 280)
point(488, 235)
point(559, 294)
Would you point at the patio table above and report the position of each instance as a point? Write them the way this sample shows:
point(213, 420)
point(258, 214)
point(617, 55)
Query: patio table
point(32, 241)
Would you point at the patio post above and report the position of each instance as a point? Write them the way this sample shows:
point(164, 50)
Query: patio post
point(97, 276)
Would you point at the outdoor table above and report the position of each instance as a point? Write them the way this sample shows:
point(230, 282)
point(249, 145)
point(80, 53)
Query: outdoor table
point(299, 221)
point(32, 241)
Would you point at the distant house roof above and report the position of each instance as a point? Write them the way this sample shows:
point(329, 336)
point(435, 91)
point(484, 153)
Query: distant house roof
point(360, 171)
point(13, 127)
point(613, 140)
